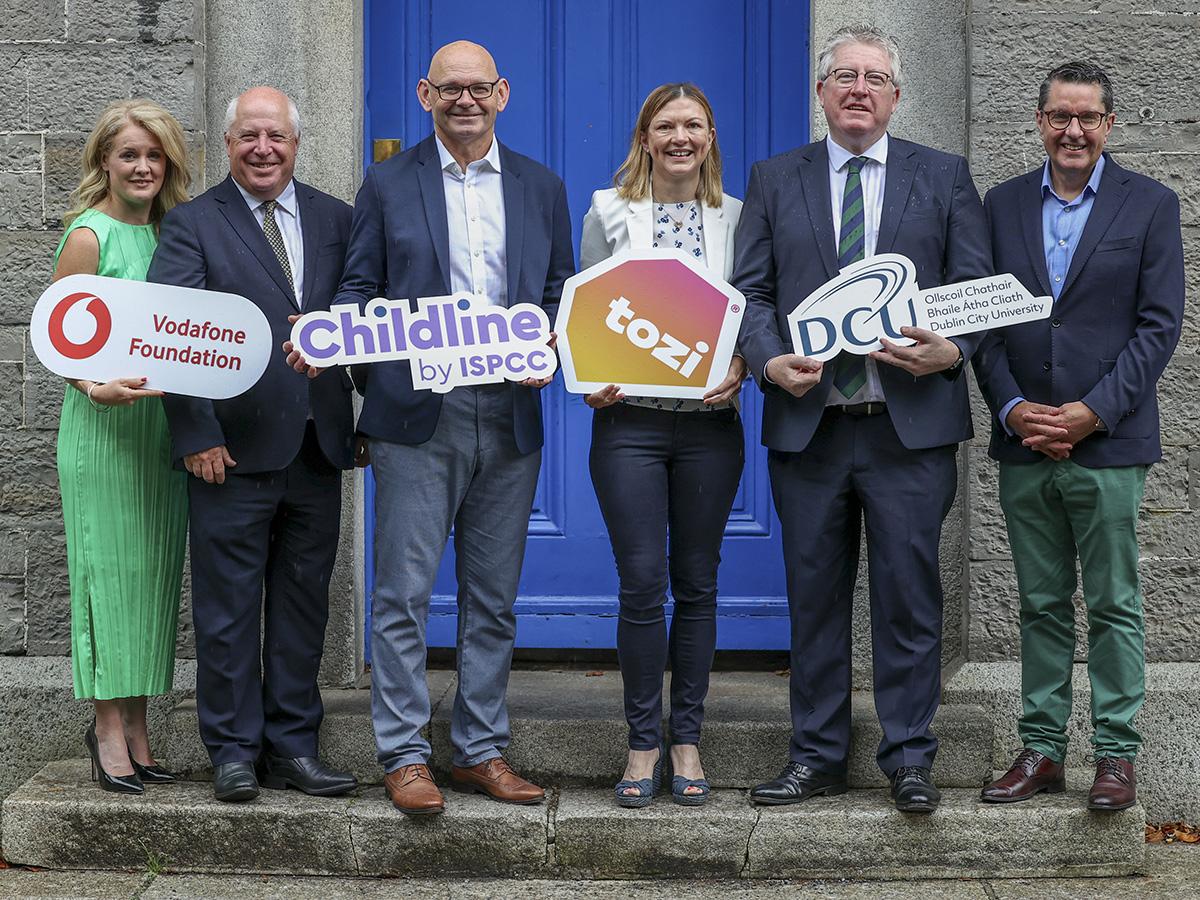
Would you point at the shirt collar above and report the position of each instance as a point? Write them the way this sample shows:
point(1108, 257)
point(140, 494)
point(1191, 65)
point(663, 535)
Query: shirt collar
point(1093, 184)
point(839, 155)
point(285, 201)
point(448, 163)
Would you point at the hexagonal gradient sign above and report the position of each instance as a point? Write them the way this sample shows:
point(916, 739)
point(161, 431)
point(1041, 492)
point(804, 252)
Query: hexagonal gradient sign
point(657, 323)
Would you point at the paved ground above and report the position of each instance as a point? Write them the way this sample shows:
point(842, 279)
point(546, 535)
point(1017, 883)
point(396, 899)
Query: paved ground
point(1173, 873)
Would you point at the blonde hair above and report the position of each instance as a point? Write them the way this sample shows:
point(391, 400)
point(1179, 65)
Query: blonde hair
point(632, 180)
point(93, 186)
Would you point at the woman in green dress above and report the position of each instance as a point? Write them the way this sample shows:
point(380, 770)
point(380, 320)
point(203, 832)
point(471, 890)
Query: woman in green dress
point(124, 508)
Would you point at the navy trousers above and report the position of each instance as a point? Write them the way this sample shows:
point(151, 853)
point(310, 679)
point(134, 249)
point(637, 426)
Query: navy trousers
point(263, 547)
point(666, 482)
point(856, 469)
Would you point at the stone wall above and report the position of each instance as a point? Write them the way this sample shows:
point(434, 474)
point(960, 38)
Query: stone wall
point(61, 62)
point(1142, 44)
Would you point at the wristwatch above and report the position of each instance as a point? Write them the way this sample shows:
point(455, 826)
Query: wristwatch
point(952, 372)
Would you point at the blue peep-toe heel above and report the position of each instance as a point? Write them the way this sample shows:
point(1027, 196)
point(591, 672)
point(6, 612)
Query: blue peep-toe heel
point(647, 787)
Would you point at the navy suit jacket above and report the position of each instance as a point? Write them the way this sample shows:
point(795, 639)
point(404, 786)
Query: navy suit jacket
point(1114, 325)
point(400, 249)
point(214, 243)
point(784, 250)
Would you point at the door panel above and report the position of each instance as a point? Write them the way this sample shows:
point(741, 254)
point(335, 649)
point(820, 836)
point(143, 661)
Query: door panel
point(579, 72)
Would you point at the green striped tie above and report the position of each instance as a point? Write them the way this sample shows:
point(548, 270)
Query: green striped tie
point(850, 373)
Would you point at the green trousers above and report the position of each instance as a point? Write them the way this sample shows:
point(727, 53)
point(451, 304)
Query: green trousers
point(1055, 510)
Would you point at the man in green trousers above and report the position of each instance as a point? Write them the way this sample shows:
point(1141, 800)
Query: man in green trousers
point(1076, 423)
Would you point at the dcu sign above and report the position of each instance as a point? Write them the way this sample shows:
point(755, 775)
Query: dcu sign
point(655, 322)
point(873, 298)
point(184, 341)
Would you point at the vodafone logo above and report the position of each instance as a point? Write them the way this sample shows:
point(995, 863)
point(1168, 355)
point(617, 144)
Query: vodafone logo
point(93, 345)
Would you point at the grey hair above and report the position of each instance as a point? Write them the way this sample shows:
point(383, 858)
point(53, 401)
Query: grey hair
point(231, 114)
point(859, 34)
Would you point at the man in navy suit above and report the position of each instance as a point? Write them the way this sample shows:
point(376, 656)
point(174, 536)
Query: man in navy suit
point(859, 438)
point(266, 493)
point(1076, 423)
point(459, 212)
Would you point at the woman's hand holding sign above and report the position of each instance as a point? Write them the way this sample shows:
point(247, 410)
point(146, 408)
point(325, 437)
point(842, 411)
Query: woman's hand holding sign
point(728, 389)
point(795, 374)
point(606, 396)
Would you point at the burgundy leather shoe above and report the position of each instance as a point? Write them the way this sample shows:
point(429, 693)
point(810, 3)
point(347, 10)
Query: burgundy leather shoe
point(1115, 786)
point(1030, 773)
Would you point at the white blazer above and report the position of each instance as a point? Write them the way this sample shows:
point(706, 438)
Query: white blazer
point(613, 224)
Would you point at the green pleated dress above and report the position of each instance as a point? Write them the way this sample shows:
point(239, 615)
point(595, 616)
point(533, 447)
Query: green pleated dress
point(125, 511)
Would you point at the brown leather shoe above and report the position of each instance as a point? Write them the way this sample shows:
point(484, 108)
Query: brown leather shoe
point(495, 778)
point(412, 791)
point(1030, 773)
point(1115, 786)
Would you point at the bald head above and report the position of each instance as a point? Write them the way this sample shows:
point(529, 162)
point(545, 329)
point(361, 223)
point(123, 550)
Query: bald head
point(459, 58)
point(465, 124)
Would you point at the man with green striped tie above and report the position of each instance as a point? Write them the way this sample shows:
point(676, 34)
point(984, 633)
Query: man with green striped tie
point(862, 438)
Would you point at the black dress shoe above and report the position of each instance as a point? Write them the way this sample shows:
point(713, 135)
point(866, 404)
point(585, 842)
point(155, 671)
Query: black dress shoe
point(235, 781)
point(914, 791)
point(305, 773)
point(797, 783)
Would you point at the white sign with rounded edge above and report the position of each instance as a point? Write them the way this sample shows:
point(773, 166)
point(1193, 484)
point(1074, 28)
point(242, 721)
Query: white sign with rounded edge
point(875, 297)
point(182, 340)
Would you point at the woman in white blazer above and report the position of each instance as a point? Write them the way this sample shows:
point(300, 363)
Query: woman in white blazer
point(666, 471)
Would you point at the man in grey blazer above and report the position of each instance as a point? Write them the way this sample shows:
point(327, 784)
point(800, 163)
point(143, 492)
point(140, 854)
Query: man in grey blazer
point(457, 212)
point(857, 438)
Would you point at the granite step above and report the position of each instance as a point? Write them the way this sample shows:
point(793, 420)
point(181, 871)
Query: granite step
point(59, 819)
point(568, 729)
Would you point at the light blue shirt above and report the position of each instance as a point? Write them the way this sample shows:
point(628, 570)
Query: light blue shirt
point(1062, 226)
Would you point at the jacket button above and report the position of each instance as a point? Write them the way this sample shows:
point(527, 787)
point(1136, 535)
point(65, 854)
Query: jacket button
point(1045, 367)
point(1055, 323)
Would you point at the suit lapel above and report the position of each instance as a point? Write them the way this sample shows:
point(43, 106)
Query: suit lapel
point(1031, 226)
point(310, 231)
point(514, 223)
point(639, 223)
point(433, 198)
point(897, 183)
point(1109, 200)
point(814, 181)
point(716, 229)
point(239, 217)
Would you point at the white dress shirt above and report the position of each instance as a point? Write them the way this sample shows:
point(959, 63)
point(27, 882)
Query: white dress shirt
point(287, 217)
point(475, 218)
point(872, 178)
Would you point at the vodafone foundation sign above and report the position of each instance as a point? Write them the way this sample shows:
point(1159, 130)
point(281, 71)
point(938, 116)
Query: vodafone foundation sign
point(182, 340)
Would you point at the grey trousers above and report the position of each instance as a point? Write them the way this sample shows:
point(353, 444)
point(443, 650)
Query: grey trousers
point(469, 475)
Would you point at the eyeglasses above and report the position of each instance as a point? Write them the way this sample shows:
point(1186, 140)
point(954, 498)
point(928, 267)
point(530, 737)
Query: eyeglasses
point(844, 78)
point(480, 91)
point(1060, 120)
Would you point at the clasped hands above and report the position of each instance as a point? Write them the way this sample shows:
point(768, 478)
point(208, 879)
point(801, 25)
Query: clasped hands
point(931, 353)
point(1053, 430)
point(296, 360)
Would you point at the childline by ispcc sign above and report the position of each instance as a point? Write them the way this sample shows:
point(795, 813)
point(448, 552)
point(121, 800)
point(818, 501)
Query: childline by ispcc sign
point(449, 341)
point(654, 322)
point(874, 298)
point(182, 340)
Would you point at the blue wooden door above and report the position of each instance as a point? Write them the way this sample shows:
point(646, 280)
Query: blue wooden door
point(579, 71)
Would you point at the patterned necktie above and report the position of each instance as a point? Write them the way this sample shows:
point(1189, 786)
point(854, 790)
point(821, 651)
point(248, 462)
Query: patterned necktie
point(851, 372)
point(275, 239)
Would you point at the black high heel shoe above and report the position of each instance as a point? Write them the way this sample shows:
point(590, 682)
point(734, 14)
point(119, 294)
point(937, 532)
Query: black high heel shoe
point(155, 774)
point(120, 784)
